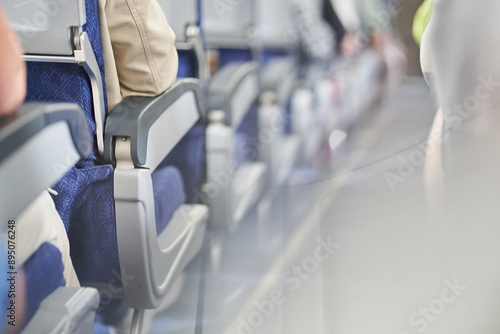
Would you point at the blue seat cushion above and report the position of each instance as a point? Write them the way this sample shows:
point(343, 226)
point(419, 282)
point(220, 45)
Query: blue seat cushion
point(169, 195)
point(92, 231)
point(86, 196)
point(247, 137)
point(189, 157)
point(44, 274)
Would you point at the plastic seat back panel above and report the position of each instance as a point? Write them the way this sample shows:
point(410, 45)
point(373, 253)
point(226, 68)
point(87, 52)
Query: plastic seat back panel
point(37, 21)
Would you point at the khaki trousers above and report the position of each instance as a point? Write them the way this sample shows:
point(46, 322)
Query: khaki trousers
point(140, 58)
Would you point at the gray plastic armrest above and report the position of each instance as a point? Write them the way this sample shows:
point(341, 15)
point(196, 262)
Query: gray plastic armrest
point(38, 144)
point(66, 310)
point(32, 118)
point(136, 118)
point(233, 89)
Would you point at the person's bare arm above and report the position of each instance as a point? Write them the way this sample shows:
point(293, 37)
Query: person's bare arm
point(12, 70)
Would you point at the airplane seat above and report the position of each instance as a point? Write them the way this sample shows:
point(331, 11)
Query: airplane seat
point(280, 81)
point(235, 177)
point(109, 202)
point(189, 155)
point(61, 132)
point(246, 135)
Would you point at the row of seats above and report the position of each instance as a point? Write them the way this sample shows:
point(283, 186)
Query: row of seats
point(140, 186)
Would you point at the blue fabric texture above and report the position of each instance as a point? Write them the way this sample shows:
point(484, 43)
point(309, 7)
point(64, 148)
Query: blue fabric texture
point(189, 157)
point(188, 66)
point(227, 56)
point(44, 274)
point(247, 137)
point(189, 154)
point(169, 195)
point(92, 230)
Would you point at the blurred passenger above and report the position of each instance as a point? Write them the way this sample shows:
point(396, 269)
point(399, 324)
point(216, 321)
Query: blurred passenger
point(316, 37)
point(330, 16)
point(348, 14)
point(462, 67)
point(349, 17)
point(367, 22)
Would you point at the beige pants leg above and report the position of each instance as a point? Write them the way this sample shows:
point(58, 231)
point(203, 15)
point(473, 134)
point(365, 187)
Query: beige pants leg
point(38, 224)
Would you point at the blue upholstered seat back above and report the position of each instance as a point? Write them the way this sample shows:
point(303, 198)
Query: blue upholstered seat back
point(247, 137)
point(188, 67)
point(227, 56)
